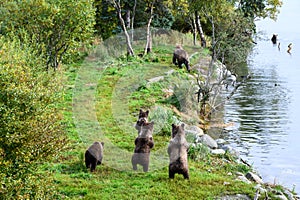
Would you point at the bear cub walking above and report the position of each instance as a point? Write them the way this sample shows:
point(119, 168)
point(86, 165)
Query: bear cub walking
point(177, 150)
point(94, 155)
point(143, 144)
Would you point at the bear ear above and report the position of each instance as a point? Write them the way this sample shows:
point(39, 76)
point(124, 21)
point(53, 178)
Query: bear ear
point(147, 112)
point(141, 110)
point(173, 125)
point(102, 144)
point(182, 125)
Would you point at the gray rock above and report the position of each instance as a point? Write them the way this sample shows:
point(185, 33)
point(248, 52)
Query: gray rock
point(221, 141)
point(194, 130)
point(260, 188)
point(154, 80)
point(253, 177)
point(230, 149)
point(244, 179)
point(170, 72)
point(280, 197)
point(288, 194)
point(207, 140)
point(234, 197)
point(217, 151)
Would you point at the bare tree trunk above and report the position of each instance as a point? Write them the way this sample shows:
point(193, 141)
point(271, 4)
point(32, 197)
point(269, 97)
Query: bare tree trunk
point(148, 47)
point(117, 5)
point(213, 57)
point(132, 19)
point(194, 30)
point(127, 18)
point(199, 29)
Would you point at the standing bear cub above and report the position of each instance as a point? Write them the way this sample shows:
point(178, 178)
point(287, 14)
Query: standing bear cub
point(94, 155)
point(143, 144)
point(180, 56)
point(177, 150)
point(143, 118)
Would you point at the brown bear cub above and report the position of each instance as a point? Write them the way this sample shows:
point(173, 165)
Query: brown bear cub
point(180, 56)
point(143, 118)
point(177, 150)
point(94, 155)
point(143, 144)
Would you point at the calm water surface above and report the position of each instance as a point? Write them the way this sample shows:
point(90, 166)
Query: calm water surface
point(266, 111)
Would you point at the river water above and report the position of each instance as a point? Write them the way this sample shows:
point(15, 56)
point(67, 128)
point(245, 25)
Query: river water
point(266, 110)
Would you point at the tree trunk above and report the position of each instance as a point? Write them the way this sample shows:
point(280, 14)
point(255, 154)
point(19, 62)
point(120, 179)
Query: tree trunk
point(132, 19)
point(148, 47)
point(117, 5)
point(194, 30)
point(127, 18)
point(199, 29)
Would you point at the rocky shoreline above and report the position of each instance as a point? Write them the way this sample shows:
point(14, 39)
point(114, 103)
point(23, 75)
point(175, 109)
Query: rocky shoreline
point(196, 136)
point(220, 147)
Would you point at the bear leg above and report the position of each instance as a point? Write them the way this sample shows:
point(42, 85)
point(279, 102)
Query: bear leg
point(134, 166)
point(146, 167)
point(134, 163)
point(171, 174)
point(186, 175)
point(87, 164)
point(174, 60)
point(180, 64)
point(87, 159)
point(93, 167)
point(186, 63)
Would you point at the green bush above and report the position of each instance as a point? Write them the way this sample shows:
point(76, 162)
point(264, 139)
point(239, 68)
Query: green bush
point(163, 119)
point(57, 28)
point(198, 152)
point(30, 122)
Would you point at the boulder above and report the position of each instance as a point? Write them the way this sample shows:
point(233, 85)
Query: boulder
point(154, 80)
point(194, 130)
point(207, 140)
point(244, 179)
point(230, 149)
point(253, 177)
point(234, 197)
point(221, 141)
point(217, 151)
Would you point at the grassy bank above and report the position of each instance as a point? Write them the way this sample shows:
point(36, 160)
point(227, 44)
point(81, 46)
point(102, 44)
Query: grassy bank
point(118, 90)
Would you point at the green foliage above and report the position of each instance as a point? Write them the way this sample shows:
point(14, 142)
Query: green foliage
point(30, 128)
point(260, 8)
point(55, 27)
point(163, 119)
point(198, 152)
point(233, 36)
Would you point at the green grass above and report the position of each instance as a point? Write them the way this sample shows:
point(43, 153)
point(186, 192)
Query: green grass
point(120, 91)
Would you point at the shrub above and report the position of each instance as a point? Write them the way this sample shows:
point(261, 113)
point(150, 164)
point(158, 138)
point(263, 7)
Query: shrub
point(55, 27)
point(30, 123)
point(163, 119)
point(198, 152)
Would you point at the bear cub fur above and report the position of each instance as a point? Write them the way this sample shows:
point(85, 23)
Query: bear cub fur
point(94, 155)
point(180, 56)
point(177, 150)
point(143, 118)
point(143, 144)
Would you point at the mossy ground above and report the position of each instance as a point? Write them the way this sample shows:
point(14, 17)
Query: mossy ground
point(211, 177)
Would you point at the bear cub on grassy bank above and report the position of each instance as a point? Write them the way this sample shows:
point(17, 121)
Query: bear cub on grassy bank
point(94, 155)
point(143, 144)
point(177, 150)
point(143, 118)
point(180, 56)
